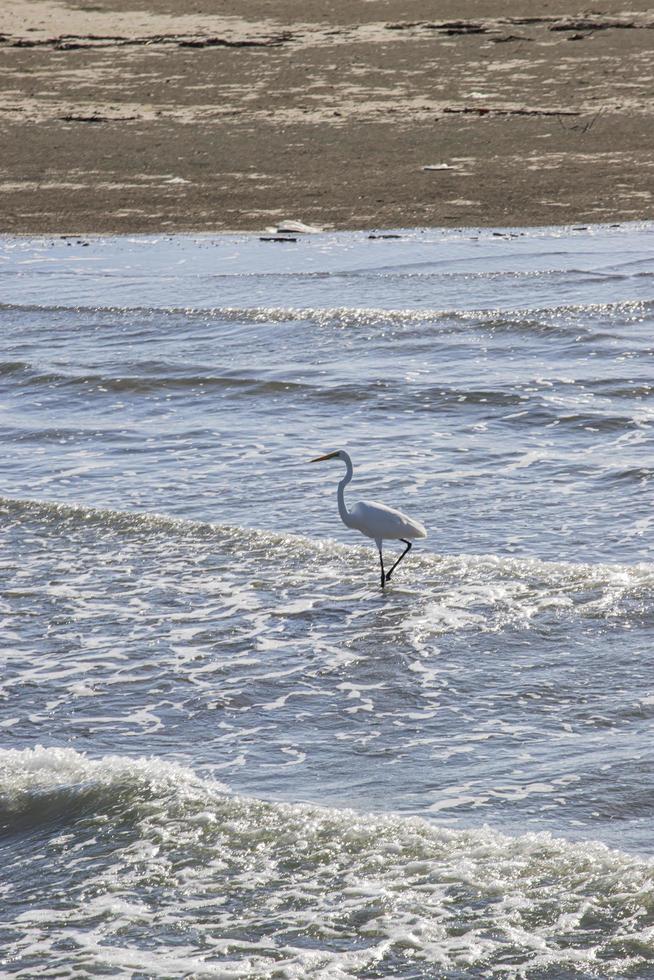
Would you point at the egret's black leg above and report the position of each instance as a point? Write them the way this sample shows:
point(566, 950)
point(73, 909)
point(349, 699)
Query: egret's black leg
point(383, 577)
point(405, 552)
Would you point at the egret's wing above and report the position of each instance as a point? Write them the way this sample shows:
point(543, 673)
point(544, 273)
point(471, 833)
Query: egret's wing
point(379, 521)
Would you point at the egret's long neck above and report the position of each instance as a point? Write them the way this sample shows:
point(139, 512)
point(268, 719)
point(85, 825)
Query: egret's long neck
point(342, 509)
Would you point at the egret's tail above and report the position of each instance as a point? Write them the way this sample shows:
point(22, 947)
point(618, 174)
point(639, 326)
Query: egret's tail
point(419, 530)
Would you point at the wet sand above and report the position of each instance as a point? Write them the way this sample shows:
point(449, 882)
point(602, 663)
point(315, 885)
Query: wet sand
point(126, 116)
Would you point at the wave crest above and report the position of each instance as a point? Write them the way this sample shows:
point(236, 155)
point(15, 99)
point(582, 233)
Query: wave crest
point(317, 889)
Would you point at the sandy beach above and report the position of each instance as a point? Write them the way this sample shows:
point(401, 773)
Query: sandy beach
point(128, 116)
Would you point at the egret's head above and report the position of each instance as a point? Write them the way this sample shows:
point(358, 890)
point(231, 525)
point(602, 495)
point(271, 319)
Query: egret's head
point(339, 454)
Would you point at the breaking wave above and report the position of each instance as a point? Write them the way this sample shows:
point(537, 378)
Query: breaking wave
point(250, 888)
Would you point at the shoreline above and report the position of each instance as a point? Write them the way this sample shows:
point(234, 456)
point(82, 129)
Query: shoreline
point(376, 233)
point(128, 117)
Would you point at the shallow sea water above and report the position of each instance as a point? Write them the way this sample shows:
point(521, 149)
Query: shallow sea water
point(225, 752)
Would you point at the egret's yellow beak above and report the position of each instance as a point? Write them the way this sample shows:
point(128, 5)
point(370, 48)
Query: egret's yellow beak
point(319, 459)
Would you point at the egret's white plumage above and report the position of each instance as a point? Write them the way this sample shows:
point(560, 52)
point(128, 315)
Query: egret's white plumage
point(379, 521)
point(376, 521)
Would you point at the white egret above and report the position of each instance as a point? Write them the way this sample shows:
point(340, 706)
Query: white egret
point(375, 520)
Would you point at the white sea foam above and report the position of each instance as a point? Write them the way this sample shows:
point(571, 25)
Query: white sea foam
point(519, 577)
point(271, 889)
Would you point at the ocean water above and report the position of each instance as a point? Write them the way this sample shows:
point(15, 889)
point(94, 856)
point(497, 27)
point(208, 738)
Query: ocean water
point(225, 751)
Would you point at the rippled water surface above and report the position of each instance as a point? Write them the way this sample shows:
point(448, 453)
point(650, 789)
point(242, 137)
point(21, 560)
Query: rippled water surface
point(226, 752)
